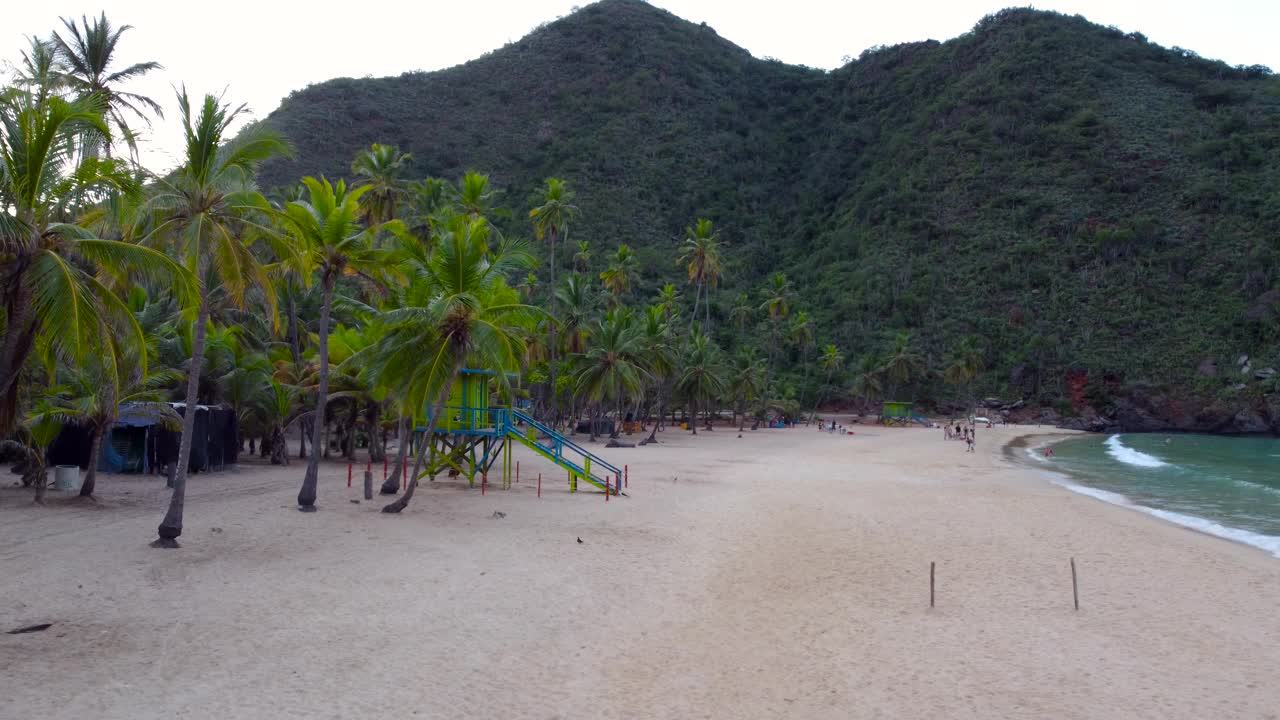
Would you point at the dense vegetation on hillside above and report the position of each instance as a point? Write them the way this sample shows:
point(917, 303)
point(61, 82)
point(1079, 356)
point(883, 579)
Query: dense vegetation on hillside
point(1084, 207)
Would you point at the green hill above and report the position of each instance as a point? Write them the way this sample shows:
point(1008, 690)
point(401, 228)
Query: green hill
point(1102, 213)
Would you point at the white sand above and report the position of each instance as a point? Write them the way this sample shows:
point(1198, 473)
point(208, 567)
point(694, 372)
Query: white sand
point(783, 575)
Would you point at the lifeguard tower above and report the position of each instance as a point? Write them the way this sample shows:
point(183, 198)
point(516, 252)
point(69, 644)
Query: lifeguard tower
point(895, 413)
point(473, 434)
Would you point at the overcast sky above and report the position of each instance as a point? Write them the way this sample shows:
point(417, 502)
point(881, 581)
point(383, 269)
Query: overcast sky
point(260, 51)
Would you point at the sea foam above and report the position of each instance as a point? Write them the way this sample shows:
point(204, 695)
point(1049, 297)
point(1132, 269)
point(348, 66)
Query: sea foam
point(1127, 455)
point(1269, 543)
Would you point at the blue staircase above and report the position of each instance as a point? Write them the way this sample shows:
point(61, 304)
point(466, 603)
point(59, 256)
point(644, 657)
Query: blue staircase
point(581, 463)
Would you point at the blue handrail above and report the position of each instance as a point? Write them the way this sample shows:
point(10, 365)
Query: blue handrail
point(562, 441)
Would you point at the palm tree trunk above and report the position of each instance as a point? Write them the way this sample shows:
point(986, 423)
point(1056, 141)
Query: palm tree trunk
point(826, 386)
point(693, 417)
point(91, 473)
point(18, 340)
point(428, 446)
point(279, 450)
point(391, 485)
point(653, 435)
point(706, 290)
point(693, 316)
point(171, 526)
point(377, 433)
point(551, 339)
point(307, 495)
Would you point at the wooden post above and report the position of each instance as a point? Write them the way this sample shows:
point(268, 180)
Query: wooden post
point(484, 480)
point(626, 476)
point(931, 583)
point(348, 474)
point(606, 487)
point(1075, 588)
point(368, 485)
point(539, 484)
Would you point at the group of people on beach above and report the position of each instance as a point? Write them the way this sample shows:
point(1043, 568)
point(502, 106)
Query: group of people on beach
point(960, 432)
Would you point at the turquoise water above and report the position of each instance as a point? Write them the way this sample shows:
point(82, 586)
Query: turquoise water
point(1226, 486)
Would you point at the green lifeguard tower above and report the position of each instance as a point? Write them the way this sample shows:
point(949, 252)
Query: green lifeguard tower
point(896, 413)
point(475, 431)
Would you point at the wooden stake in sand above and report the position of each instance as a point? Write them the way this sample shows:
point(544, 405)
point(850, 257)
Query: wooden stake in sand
point(539, 484)
point(517, 471)
point(348, 474)
point(931, 564)
point(1075, 588)
point(368, 485)
point(626, 476)
point(484, 480)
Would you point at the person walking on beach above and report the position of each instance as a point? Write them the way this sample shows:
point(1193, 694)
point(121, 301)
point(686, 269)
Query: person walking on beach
point(969, 439)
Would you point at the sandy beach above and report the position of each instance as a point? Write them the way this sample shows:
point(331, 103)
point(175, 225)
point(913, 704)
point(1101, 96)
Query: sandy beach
point(783, 574)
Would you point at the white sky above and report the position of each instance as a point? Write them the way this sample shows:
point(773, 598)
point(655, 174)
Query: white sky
point(260, 51)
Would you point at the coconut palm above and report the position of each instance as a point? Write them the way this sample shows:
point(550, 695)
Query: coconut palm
point(659, 358)
point(700, 381)
point(620, 274)
point(800, 336)
point(867, 379)
point(701, 257)
point(330, 242)
point(87, 55)
point(381, 169)
point(30, 445)
point(831, 361)
point(57, 277)
point(965, 363)
point(742, 311)
point(469, 318)
point(668, 300)
point(579, 299)
point(206, 210)
point(40, 73)
point(582, 258)
point(612, 368)
point(550, 223)
point(777, 305)
point(903, 363)
point(90, 395)
point(746, 384)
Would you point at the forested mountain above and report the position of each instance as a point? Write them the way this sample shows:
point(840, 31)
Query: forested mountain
point(1099, 215)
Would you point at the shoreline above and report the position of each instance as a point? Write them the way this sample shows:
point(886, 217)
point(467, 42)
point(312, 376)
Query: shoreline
point(1061, 477)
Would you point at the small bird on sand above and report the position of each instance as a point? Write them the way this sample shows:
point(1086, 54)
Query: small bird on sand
point(580, 542)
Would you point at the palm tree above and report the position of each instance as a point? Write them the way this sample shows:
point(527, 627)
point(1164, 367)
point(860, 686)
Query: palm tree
point(582, 258)
point(31, 444)
point(206, 209)
point(550, 222)
point(903, 362)
point(777, 304)
point(742, 311)
point(659, 358)
point(329, 241)
point(620, 274)
point(281, 407)
point(612, 368)
point(470, 318)
point(700, 380)
point(830, 361)
point(703, 263)
point(866, 379)
point(90, 395)
point(579, 299)
point(800, 335)
point(965, 364)
point(56, 275)
point(668, 300)
point(746, 384)
point(40, 72)
point(87, 54)
point(382, 168)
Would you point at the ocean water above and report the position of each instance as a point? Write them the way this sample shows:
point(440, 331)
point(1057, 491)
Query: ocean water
point(1224, 486)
